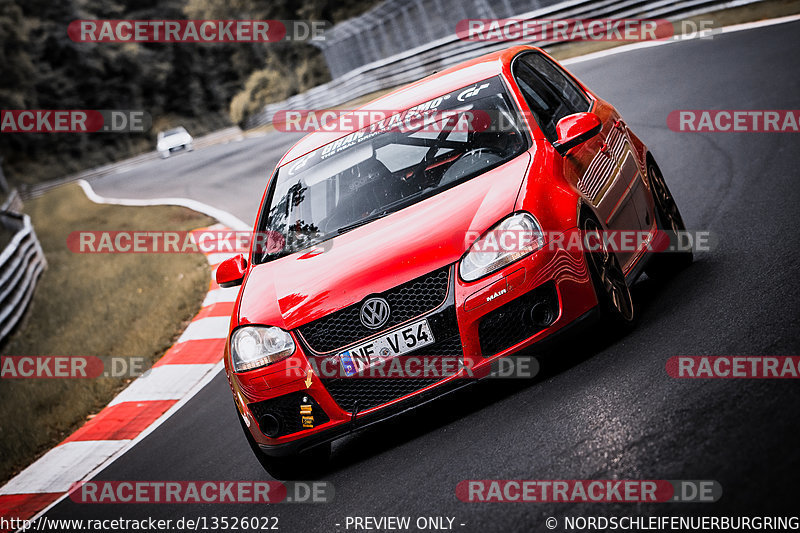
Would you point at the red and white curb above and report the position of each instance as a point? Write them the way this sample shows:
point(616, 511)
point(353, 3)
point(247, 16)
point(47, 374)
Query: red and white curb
point(144, 405)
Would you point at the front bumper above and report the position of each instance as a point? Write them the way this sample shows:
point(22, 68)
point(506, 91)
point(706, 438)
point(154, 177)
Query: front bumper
point(478, 309)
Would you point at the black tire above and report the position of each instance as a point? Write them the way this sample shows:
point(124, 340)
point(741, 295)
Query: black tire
point(615, 301)
point(668, 218)
point(306, 465)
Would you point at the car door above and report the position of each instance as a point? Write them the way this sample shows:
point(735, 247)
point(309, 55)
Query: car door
point(604, 168)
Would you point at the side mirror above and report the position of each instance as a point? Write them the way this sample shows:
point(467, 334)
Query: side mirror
point(576, 129)
point(230, 272)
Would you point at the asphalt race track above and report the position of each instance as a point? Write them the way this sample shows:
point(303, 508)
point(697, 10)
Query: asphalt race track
point(599, 411)
point(228, 176)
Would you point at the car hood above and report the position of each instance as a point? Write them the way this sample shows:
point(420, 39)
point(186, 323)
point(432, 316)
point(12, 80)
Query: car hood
point(373, 258)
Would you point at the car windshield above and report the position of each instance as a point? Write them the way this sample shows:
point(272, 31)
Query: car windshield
point(388, 166)
point(175, 131)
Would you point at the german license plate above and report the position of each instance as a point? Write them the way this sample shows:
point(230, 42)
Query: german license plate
point(389, 345)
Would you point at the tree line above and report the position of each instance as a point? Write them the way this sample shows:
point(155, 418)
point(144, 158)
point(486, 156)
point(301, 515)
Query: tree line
point(203, 87)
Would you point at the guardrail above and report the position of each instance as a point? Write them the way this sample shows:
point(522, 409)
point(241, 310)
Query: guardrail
point(420, 61)
point(416, 63)
point(394, 26)
point(21, 263)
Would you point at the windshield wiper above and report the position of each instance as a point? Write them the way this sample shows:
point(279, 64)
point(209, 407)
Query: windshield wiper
point(367, 220)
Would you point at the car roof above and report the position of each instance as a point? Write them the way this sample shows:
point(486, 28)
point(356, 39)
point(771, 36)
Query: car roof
point(437, 84)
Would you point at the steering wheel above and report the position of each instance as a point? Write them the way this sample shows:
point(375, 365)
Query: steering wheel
point(478, 152)
point(469, 161)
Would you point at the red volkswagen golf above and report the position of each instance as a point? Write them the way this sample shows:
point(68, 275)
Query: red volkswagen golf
point(400, 258)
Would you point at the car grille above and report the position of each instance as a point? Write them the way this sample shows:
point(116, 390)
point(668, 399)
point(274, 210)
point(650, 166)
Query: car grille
point(409, 300)
point(361, 393)
point(511, 323)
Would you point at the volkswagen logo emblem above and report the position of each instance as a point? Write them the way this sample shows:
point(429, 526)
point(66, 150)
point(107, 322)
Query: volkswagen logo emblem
point(375, 313)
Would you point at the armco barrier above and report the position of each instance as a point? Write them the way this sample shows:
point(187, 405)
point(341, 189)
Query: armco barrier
point(21, 263)
point(419, 61)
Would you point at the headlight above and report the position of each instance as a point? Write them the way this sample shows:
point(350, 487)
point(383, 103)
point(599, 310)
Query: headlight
point(256, 346)
point(509, 240)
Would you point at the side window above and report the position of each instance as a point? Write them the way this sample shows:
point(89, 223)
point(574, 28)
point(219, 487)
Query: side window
point(549, 94)
point(565, 87)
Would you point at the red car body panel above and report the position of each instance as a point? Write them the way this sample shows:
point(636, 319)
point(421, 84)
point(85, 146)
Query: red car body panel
point(303, 287)
point(381, 255)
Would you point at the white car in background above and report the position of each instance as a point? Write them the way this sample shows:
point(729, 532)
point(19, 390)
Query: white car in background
point(174, 140)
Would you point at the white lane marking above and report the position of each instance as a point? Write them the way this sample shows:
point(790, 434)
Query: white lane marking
point(221, 295)
point(166, 382)
point(62, 466)
point(650, 44)
point(212, 327)
point(223, 216)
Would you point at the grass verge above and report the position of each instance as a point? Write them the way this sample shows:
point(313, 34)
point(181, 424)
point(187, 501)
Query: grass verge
point(93, 305)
